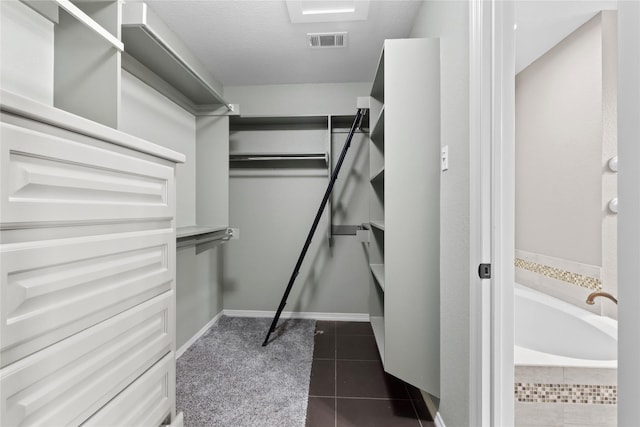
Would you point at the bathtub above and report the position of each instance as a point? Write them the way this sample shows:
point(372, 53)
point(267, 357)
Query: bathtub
point(551, 332)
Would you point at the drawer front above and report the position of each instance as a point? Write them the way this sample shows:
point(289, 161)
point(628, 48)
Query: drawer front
point(52, 178)
point(66, 383)
point(52, 289)
point(146, 402)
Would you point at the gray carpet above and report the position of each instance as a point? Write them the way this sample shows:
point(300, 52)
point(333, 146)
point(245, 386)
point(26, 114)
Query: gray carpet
point(227, 379)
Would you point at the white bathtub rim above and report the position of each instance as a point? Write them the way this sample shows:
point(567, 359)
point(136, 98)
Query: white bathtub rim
point(603, 323)
point(529, 357)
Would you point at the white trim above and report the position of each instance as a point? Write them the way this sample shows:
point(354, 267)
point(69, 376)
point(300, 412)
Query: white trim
point(433, 410)
point(75, 11)
point(341, 317)
point(629, 216)
point(491, 117)
point(480, 210)
point(197, 335)
point(503, 216)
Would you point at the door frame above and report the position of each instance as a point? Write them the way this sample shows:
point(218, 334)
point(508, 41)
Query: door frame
point(492, 158)
point(492, 197)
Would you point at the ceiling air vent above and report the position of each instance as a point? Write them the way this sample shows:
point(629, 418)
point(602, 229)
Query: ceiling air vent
point(322, 40)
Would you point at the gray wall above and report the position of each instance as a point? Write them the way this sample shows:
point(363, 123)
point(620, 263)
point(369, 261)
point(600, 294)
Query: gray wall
point(274, 210)
point(339, 98)
point(559, 150)
point(566, 120)
point(26, 42)
point(449, 20)
point(148, 114)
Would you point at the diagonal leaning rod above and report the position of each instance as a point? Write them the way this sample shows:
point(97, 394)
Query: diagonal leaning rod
point(307, 243)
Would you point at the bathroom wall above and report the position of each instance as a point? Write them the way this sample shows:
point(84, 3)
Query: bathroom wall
point(449, 21)
point(275, 210)
point(565, 135)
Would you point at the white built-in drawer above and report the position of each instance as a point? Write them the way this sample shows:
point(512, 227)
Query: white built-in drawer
point(52, 289)
point(64, 177)
point(146, 402)
point(68, 382)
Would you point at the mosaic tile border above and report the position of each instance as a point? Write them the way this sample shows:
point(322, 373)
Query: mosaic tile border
point(592, 283)
point(566, 393)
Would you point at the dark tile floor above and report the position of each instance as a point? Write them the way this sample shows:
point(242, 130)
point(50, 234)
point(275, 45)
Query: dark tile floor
point(349, 387)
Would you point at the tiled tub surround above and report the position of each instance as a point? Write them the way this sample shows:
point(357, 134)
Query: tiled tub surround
point(563, 279)
point(565, 357)
point(565, 396)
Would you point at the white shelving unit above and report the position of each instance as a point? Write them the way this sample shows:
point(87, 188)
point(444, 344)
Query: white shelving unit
point(151, 45)
point(404, 207)
point(279, 145)
point(87, 221)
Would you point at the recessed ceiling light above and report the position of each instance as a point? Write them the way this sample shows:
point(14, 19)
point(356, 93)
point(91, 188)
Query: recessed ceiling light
point(304, 11)
point(328, 11)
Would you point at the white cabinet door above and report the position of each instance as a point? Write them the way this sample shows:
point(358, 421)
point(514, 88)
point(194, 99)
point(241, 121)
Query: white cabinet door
point(145, 403)
point(66, 383)
point(60, 176)
point(52, 289)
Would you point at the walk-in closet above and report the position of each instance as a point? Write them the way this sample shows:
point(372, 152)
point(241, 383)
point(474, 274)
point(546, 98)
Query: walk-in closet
point(153, 208)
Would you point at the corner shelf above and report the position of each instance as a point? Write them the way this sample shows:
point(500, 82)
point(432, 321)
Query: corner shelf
point(377, 132)
point(150, 42)
point(378, 273)
point(377, 224)
point(377, 324)
point(378, 176)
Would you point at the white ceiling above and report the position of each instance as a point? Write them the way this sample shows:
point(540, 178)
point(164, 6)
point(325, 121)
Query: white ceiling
point(542, 24)
point(250, 42)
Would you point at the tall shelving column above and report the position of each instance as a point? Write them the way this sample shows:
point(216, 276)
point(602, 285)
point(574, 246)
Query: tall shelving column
point(404, 208)
point(376, 207)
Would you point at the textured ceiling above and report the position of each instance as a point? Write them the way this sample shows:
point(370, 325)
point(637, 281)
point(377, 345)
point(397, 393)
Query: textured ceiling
point(254, 42)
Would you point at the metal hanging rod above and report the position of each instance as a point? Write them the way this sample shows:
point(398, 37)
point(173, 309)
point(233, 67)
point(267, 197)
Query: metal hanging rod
point(279, 156)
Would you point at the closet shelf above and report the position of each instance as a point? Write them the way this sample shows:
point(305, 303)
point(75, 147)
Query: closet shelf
point(377, 224)
point(377, 133)
point(148, 39)
point(377, 324)
point(277, 157)
point(378, 273)
point(245, 122)
point(378, 176)
point(377, 89)
point(199, 234)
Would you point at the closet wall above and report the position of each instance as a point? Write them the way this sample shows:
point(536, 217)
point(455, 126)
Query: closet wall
point(22, 30)
point(150, 115)
point(449, 21)
point(275, 209)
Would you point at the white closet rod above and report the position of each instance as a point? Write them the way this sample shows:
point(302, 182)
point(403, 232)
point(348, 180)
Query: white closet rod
point(261, 157)
point(74, 11)
point(215, 236)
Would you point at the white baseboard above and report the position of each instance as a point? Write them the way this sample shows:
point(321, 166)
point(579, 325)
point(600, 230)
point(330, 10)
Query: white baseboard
point(198, 334)
point(342, 317)
point(433, 410)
